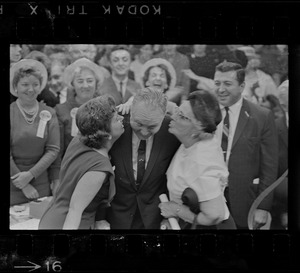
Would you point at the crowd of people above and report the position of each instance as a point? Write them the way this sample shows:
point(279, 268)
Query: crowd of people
point(107, 129)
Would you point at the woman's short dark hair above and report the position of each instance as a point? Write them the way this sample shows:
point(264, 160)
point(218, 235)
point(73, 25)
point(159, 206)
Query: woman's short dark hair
point(206, 109)
point(229, 66)
point(164, 68)
point(93, 120)
point(25, 72)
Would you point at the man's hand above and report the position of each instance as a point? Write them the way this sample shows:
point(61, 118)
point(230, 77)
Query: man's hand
point(260, 218)
point(102, 224)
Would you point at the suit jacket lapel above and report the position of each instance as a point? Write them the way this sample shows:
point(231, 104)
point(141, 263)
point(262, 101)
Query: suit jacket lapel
point(242, 121)
point(130, 90)
point(113, 90)
point(127, 151)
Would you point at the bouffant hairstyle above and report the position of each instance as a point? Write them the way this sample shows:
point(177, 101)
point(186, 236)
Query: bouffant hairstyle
point(93, 120)
point(206, 109)
point(26, 72)
point(164, 68)
point(229, 66)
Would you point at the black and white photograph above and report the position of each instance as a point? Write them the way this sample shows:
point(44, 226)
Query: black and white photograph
point(149, 136)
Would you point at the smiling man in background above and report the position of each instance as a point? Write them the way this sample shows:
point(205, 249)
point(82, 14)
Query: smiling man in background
point(118, 84)
point(248, 137)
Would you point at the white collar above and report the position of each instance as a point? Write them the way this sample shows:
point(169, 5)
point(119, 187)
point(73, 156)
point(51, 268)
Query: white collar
point(116, 80)
point(235, 107)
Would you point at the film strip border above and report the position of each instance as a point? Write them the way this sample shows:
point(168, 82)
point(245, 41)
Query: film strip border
point(180, 21)
point(276, 252)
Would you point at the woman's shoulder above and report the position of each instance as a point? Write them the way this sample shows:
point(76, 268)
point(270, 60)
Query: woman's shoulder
point(88, 155)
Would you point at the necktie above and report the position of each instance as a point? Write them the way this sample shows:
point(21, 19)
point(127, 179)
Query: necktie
point(141, 162)
point(224, 147)
point(225, 133)
point(58, 96)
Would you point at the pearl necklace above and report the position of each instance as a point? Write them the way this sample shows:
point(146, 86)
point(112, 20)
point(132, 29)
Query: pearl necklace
point(32, 113)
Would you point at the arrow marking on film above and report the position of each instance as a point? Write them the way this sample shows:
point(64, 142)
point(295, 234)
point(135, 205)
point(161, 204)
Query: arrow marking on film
point(33, 266)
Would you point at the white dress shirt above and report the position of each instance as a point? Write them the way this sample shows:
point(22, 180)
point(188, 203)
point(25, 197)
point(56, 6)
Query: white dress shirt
point(135, 146)
point(200, 167)
point(62, 95)
point(124, 85)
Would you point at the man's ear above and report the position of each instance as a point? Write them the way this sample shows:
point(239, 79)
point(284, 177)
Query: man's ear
point(243, 86)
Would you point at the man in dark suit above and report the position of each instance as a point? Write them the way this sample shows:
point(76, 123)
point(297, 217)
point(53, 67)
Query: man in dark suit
point(135, 205)
point(251, 146)
point(118, 85)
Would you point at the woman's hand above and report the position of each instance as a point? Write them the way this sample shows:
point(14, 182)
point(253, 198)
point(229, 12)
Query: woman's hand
point(125, 107)
point(168, 209)
point(21, 179)
point(165, 224)
point(30, 192)
point(102, 224)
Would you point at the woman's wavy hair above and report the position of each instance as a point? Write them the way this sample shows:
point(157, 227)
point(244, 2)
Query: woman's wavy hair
point(206, 109)
point(93, 120)
point(164, 68)
point(25, 72)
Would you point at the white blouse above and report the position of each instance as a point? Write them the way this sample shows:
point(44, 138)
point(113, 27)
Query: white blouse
point(200, 167)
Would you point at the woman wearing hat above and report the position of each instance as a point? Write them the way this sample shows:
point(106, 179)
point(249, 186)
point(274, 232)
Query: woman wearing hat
point(34, 136)
point(83, 78)
point(160, 74)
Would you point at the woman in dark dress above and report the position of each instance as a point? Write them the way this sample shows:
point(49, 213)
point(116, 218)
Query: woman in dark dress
point(86, 177)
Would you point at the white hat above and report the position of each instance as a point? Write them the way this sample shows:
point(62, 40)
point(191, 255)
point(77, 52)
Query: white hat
point(70, 70)
point(26, 64)
point(156, 62)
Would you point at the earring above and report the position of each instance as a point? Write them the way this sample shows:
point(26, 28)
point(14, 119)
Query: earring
point(194, 135)
point(109, 137)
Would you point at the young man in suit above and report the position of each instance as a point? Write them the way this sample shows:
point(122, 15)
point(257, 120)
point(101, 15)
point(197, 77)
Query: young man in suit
point(118, 85)
point(138, 186)
point(250, 146)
